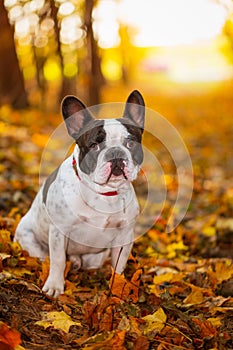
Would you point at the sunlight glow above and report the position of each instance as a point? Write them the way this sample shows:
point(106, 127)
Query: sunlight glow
point(15, 12)
point(160, 22)
point(10, 3)
point(47, 24)
point(70, 70)
point(36, 5)
point(67, 8)
point(106, 24)
point(179, 22)
point(52, 70)
point(111, 70)
point(22, 27)
point(70, 29)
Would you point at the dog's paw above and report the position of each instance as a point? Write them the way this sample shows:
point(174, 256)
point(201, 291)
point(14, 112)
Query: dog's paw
point(53, 287)
point(76, 261)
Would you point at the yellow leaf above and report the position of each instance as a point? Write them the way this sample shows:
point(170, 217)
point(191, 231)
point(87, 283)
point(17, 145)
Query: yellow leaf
point(215, 321)
point(4, 256)
point(58, 320)
point(173, 248)
point(209, 231)
point(166, 277)
point(15, 247)
point(155, 322)
point(153, 234)
point(18, 271)
point(5, 236)
point(223, 270)
point(195, 297)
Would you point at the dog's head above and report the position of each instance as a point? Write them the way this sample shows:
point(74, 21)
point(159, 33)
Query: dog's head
point(109, 150)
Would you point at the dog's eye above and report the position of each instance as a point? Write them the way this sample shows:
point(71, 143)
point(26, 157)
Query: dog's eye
point(94, 146)
point(130, 143)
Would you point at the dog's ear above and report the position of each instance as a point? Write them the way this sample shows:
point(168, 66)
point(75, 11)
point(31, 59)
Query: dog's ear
point(135, 109)
point(75, 115)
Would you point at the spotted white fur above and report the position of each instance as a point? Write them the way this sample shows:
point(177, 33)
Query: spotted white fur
point(72, 218)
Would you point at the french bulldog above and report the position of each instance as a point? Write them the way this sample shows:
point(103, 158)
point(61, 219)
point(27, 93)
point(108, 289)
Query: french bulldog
point(86, 209)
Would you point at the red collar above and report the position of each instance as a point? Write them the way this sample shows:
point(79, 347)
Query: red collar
point(108, 194)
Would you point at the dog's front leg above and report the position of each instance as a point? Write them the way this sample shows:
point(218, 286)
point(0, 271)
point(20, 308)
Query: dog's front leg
point(119, 257)
point(54, 285)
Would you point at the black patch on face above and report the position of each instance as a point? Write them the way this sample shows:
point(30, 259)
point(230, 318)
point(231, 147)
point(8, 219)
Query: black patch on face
point(135, 135)
point(91, 142)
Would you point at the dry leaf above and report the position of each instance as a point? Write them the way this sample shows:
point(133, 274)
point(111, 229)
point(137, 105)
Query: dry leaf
point(195, 297)
point(124, 289)
point(155, 322)
point(9, 338)
point(141, 343)
point(58, 320)
point(45, 271)
point(209, 231)
point(206, 328)
point(215, 321)
point(111, 340)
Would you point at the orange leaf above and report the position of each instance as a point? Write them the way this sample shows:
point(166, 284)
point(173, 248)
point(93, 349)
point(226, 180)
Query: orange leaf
point(113, 340)
point(67, 269)
point(45, 271)
point(32, 263)
point(223, 271)
point(141, 343)
point(206, 328)
point(124, 289)
point(9, 337)
point(99, 314)
point(195, 297)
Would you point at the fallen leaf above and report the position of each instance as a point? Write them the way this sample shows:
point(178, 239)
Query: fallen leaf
point(123, 288)
point(215, 321)
point(111, 340)
point(58, 320)
point(99, 313)
point(222, 271)
point(195, 297)
point(166, 277)
point(174, 248)
point(4, 256)
point(5, 241)
point(141, 343)
point(45, 271)
point(70, 287)
point(206, 328)
point(155, 322)
point(9, 338)
point(209, 231)
point(18, 271)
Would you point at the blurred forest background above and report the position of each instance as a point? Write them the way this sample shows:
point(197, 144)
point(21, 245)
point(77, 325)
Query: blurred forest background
point(50, 48)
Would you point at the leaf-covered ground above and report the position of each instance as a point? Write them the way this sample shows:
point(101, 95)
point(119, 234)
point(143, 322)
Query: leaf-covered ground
point(177, 292)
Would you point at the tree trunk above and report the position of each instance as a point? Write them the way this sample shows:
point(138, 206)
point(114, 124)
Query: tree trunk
point(12, 89)
point(68, 86)
point(93, 67)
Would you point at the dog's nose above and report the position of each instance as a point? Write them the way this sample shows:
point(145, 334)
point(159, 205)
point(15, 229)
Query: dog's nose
point(115, 153)
point(117, 166)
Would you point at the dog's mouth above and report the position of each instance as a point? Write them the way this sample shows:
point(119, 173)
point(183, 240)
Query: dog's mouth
point(117, 169)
